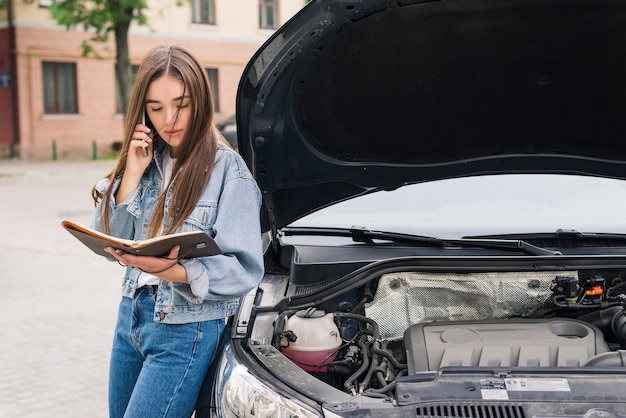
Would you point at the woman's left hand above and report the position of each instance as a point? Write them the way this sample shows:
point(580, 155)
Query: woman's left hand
point(146, 264)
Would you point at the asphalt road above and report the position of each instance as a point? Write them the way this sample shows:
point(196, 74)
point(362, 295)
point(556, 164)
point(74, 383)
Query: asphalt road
point(57, 299)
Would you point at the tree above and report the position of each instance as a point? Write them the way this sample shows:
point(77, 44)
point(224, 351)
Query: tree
point(104, 17)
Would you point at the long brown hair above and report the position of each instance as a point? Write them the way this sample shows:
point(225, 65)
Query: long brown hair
point(196, 154)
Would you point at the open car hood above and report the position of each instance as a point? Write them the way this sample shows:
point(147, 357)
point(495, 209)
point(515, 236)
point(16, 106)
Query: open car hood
point(349, 97)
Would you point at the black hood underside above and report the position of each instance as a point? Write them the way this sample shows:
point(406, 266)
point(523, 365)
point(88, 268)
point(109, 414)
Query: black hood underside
point(354, 96)
point(445, 81)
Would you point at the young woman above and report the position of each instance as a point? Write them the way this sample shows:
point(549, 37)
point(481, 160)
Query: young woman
point(174, 174)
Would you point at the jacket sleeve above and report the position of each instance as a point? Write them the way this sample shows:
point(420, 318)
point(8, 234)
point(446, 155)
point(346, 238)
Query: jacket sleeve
point(121, 216)
point(237, 231)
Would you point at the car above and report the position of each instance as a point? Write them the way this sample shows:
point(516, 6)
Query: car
point(444, 206)
point(228, 129)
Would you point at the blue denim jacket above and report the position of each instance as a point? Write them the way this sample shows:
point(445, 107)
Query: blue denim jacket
point(228, 211)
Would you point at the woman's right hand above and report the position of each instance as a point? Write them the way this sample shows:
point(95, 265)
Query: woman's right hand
point(140, 149)
point(137, 160)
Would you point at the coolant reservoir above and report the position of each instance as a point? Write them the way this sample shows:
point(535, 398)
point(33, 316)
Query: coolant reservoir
point(317, 339)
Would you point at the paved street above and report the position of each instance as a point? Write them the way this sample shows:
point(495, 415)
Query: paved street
point(57, 299)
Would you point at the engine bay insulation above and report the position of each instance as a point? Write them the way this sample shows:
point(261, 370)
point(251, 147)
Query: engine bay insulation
point(406, 298)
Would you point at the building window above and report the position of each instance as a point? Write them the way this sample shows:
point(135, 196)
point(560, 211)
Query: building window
point(203, 11)
point(59, 87)
point(267, 14)
point(212, 73)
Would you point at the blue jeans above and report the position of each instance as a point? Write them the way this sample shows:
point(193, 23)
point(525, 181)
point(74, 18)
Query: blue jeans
point(157, 369)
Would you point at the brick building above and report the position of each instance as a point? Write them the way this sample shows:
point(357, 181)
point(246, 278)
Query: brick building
point(55, 103)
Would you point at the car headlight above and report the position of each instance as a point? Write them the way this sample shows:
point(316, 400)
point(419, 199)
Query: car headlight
point(243, 395)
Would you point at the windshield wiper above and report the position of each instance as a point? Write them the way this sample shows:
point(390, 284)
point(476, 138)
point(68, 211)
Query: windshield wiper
point(368, 236)
point(573, 233)
point(563, 238)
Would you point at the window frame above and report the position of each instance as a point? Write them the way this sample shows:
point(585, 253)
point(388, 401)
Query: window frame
point(268, 10)
point(59, 96)
point(203, 12)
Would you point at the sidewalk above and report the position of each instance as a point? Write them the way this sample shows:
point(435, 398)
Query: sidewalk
point(58, 300)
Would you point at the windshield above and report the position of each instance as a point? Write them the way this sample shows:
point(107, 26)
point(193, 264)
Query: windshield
point(485, 205)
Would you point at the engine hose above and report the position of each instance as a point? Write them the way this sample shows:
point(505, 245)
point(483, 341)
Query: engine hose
point(391, 386)
point(380, 373)
point(348, 385)
point(559, 302)
point(365, 299)
point(375, 347)
point(611, 321)
point(279, 326)
point(389, 356)
point(383, 368)
point(383, 352)
point(610, 359)
point(339, 369)
point(373, 365)
point(556, 301)
point(362, 318)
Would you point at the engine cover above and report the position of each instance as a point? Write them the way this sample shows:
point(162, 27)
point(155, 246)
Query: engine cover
point(502, 343)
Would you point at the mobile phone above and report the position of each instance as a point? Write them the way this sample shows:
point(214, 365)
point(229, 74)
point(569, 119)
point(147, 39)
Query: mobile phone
point(143, 122)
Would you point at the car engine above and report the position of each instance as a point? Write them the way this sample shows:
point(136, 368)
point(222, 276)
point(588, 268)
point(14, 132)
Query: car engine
point(407, 323)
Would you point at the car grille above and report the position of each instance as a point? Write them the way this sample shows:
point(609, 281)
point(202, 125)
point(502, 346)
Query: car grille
point(300, 290)
point(470, 411)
